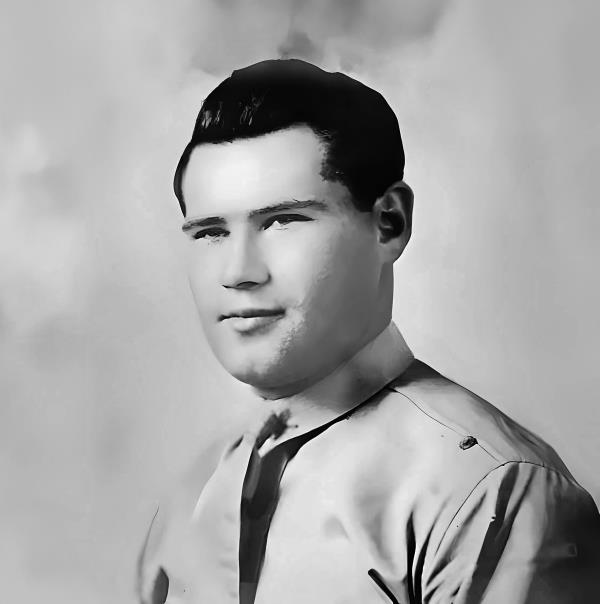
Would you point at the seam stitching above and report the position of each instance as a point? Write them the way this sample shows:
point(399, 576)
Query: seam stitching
point(489, 473)
point(435, 419)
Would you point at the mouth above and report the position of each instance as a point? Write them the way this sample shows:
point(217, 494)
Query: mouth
point(252, 319)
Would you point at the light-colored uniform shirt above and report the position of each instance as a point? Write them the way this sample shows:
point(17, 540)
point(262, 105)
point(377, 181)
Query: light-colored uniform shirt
point(426, 493)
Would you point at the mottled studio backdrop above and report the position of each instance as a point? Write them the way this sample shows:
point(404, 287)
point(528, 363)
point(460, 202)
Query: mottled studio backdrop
point(107, 388)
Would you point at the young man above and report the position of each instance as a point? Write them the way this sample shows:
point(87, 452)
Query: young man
point(371, 478)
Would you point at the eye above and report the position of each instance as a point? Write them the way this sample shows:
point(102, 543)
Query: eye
point(285, 219)
point(210, 234)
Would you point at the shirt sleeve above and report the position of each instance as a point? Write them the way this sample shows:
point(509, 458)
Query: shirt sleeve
point(526, 534)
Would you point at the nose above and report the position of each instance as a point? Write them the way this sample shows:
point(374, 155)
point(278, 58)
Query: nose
point(245, 266)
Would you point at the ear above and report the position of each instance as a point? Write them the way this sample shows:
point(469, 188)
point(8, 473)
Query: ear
point(392, 213)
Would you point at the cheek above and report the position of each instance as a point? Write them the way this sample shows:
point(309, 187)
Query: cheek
point(329, 271)
point(349, 287)
point(203, 281)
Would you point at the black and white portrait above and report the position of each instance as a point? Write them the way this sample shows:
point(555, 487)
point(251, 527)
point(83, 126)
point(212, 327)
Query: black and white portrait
point(299, 302)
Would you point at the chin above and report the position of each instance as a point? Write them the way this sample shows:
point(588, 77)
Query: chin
point(259, 377)
point(262, 374)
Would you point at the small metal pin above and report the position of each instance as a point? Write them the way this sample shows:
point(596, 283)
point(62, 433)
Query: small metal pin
point(467, 442)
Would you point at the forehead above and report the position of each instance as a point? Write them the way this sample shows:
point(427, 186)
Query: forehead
point(251, 173)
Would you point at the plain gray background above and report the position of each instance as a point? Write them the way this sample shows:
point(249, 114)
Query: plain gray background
point(107, 387)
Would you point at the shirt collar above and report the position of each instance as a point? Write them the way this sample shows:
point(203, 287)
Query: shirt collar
point(370, 369)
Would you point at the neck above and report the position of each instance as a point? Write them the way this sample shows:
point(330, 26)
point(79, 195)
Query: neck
point(378, 362)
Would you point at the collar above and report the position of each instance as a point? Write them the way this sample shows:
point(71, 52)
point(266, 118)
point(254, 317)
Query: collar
point(370, 369)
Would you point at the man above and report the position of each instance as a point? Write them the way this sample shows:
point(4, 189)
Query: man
point(370, 478)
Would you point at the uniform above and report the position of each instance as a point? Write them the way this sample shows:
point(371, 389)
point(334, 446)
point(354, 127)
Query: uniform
point(420, 491)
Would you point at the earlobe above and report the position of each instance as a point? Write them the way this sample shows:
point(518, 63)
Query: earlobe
point(393, 215)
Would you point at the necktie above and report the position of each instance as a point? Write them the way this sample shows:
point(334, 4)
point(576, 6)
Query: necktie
point(260, 493)
point(259, 500)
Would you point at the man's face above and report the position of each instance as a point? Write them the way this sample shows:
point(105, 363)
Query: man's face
point(285, 271)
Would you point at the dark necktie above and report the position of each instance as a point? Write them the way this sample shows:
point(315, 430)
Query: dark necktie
point(260, 494)
point(259, 500)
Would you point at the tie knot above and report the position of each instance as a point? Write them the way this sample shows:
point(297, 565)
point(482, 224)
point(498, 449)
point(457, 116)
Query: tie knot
point(274, 426)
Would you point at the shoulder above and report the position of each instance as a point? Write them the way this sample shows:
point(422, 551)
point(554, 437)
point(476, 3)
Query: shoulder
point(437, 445)
point(462, 476)
point(429, 402)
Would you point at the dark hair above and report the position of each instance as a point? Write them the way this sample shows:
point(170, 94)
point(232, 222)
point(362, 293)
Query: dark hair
point(359, 128)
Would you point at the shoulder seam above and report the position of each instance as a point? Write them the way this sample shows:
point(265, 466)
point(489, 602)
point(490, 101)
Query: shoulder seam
point(437, 420)
point(570, 480)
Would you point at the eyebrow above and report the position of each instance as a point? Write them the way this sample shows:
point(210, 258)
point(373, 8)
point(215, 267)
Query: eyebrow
point(284, 206)
point(193, 223)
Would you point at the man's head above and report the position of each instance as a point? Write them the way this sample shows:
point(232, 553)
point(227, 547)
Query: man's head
point(296, 210)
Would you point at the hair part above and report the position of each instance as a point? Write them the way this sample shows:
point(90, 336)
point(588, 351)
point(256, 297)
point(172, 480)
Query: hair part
point(360, 132)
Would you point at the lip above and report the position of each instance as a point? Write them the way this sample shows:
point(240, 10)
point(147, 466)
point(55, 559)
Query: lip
point(252, 319)
point(249, 313)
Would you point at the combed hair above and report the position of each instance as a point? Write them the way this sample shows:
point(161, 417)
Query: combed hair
point(359, 129)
